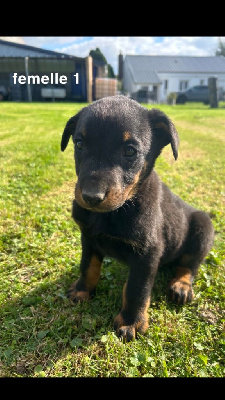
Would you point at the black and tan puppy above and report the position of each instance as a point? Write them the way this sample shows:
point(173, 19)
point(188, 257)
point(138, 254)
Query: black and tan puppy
point(125, 211)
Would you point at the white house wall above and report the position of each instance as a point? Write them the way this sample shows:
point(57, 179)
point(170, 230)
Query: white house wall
point(173, 84)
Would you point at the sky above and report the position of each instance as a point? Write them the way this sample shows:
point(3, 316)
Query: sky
point(111, 46)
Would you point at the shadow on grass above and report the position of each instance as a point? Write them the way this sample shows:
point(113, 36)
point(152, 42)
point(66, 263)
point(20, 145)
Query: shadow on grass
point(42, 327)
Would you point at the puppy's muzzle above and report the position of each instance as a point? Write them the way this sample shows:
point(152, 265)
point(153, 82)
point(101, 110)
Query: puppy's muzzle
point(93, 198)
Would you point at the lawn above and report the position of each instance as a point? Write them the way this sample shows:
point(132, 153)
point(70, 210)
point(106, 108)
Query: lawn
point(41, 333)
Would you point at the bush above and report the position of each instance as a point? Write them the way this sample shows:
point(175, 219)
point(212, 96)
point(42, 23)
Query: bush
point(171, 98)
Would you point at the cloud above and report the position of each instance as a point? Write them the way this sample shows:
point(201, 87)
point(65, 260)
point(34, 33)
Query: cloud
point(193, 46)
point(15, 39)
point(51, 41)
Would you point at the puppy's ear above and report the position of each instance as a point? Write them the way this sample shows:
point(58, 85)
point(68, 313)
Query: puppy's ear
point(164, 131)
point(69, 130)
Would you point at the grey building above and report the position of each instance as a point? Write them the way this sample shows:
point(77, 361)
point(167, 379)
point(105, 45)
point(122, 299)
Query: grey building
point(28, 60)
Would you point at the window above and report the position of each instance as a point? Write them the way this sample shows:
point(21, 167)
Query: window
point(165, 85)
point(183, 85)
point(202, 82)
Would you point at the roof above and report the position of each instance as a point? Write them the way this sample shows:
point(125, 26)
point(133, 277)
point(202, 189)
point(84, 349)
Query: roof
point(145, 68)
point(11, 49)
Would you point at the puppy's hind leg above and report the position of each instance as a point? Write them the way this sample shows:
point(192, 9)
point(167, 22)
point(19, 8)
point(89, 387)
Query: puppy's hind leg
point(198, 244)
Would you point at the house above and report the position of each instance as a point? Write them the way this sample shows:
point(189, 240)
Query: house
point(153, 78)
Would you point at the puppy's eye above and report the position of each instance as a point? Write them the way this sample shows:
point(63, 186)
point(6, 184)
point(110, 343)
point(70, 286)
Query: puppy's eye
point(79, 145)
point(130, 151)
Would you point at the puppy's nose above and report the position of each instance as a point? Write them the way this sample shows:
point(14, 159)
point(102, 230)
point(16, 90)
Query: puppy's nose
point(92, 198)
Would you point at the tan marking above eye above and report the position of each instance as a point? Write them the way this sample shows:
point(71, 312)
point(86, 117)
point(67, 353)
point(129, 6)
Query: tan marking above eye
point(126, 136)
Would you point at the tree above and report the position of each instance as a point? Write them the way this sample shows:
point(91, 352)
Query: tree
point(110, 71)
point(221, 48)
point(98, 55)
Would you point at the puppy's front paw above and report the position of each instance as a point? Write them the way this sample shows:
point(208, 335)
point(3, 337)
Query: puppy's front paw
point(180, 291)
point(77, 295)
point(128, 331)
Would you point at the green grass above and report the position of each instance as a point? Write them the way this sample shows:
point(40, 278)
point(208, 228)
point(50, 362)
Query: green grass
point(41, 333)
